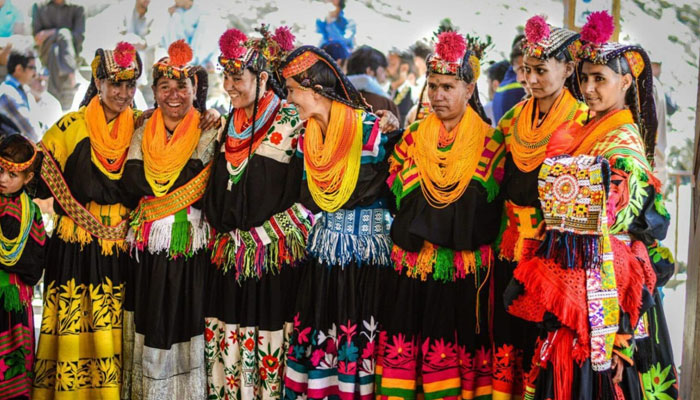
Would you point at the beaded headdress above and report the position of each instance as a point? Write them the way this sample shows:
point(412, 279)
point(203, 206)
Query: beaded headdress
point(454, 52)
point(597, 49)
point(239, 52)
point(118, 65)
point(543, 40)
point(177, 66)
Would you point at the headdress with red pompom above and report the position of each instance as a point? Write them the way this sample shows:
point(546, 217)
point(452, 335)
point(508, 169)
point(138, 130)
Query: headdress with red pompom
point(452, 50)
point(121, 64)
point(176, 64)
point(543, 40)
point(265, 52)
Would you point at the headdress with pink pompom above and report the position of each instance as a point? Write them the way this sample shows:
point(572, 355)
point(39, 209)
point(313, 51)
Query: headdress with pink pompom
point(120, 64)
point(543, 40)
point(265, 52)
point(595, 34)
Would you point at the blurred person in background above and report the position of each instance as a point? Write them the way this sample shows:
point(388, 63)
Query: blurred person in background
point(512, 88)
point(495, 75)
point(59, 31)
point(336, 28)
point(400, 91)
point(338, 52)
point(11, 19)
point(192, 23)
point(48, 108)
point(17, 103)
point(366, 68)
point(420, 50)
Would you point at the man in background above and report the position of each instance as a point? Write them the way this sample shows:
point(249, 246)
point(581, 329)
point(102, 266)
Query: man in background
point(400, 66)
point(495, 74)
point(21, 70)
point(512, 88)
point(366, 69)
point(59, 31)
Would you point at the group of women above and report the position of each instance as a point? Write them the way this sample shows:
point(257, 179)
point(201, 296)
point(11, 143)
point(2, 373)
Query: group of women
point(304, 247)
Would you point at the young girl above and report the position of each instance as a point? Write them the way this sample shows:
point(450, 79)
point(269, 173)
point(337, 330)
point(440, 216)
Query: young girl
point(22, 238)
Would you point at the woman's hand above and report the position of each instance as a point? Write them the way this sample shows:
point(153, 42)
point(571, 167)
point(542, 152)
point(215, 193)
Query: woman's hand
point(143, 117)
point(618, 367)
point(211, 119)
point(388, 121)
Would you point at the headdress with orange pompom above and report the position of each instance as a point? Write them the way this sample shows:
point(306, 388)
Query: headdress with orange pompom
point(177, 66)
point(123, 63)
point(622, 58)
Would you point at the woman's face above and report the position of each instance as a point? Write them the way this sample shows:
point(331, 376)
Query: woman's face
point(603, 89)
point(12, 182)
point(546, 78)
point(241, 87)
point(174, 97)
point(448, 95)
point(116, 96)
point(304, 99)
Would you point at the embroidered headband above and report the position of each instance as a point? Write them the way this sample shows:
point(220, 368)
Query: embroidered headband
point(298, 62)
point(12, 166)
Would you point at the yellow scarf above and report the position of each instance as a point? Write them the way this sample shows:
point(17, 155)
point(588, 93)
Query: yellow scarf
point(333, 165)
point(109, 145)
point(530, 144)
point(163, 158)
point(445, 172)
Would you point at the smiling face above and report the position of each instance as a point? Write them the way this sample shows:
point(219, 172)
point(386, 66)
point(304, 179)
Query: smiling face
point(603, 89)
point(241, 87)
point(546, 78)
point(304, 99)
point(174, 97)
point(115, 96)
point(448, 96)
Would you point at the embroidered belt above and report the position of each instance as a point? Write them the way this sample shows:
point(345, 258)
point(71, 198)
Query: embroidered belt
point(155, 208)
point(360, 235)
point(523, 222)
point(52, 176)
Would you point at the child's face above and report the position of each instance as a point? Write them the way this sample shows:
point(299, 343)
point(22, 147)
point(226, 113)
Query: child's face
point(12, 182)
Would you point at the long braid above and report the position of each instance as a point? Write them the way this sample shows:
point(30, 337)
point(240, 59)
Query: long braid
point(250, 145)
point(419, 110)
point(476, 105)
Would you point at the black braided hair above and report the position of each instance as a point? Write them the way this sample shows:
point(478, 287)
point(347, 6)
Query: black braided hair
point(635, 99)
point(467, 74)
point(101, 73)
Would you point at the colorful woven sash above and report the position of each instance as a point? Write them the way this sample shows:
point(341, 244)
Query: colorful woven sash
point(522, 223)
point(279, 241)
point(573, 194)
point(52, 176)
point(152, 209)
